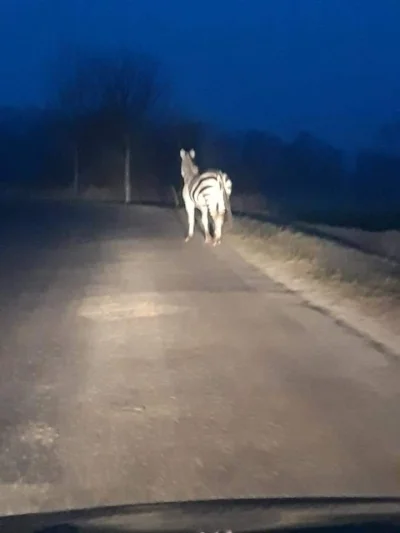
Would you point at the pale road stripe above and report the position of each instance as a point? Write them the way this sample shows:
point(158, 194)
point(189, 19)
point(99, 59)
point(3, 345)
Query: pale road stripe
point(115, 308)
point(109, 413)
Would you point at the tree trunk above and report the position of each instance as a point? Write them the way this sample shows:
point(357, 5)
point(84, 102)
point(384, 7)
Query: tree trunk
point(76, 171)
point(127, 173)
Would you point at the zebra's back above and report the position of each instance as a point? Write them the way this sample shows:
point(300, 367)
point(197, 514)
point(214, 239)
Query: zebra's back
point(203, 189)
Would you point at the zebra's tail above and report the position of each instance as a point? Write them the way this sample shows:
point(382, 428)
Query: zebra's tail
point(227, 201)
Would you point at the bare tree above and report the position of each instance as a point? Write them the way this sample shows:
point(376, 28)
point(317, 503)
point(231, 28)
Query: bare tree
point(110, 102)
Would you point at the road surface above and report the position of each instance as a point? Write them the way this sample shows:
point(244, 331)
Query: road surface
point(135, 367)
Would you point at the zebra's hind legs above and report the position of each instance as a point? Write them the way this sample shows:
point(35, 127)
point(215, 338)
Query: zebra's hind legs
point(190, 214)
point(218, 222)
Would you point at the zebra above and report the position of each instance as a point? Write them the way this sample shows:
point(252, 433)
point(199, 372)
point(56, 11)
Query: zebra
point(209, 192)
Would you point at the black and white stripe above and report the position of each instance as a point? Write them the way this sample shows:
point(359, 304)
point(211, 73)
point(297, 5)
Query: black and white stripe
point(209, 192)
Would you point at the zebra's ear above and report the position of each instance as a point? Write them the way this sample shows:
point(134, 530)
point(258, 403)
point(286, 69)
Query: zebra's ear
point(192, 153)
point(182, 152)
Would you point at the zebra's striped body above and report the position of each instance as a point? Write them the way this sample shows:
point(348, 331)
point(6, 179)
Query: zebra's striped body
point(208, 192)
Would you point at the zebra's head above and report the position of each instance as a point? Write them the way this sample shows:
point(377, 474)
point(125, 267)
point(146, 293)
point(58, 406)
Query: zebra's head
point(189, 169)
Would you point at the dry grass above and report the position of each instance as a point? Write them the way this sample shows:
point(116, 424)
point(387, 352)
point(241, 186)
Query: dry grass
point(149, 194)
point(385, 243)
point(360, 289)
point(90, 193)
point(249, 203)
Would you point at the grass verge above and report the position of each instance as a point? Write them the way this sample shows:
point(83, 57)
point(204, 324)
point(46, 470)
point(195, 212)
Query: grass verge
point(358, 289)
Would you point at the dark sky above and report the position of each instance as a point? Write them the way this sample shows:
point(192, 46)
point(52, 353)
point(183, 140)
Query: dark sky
point(329, 66)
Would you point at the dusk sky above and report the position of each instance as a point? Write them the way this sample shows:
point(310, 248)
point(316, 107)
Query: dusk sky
point(328, 66)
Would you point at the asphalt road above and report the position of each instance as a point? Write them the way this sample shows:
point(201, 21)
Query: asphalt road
point(135, 367)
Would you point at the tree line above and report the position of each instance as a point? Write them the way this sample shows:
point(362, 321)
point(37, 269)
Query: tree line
point(111, 122)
